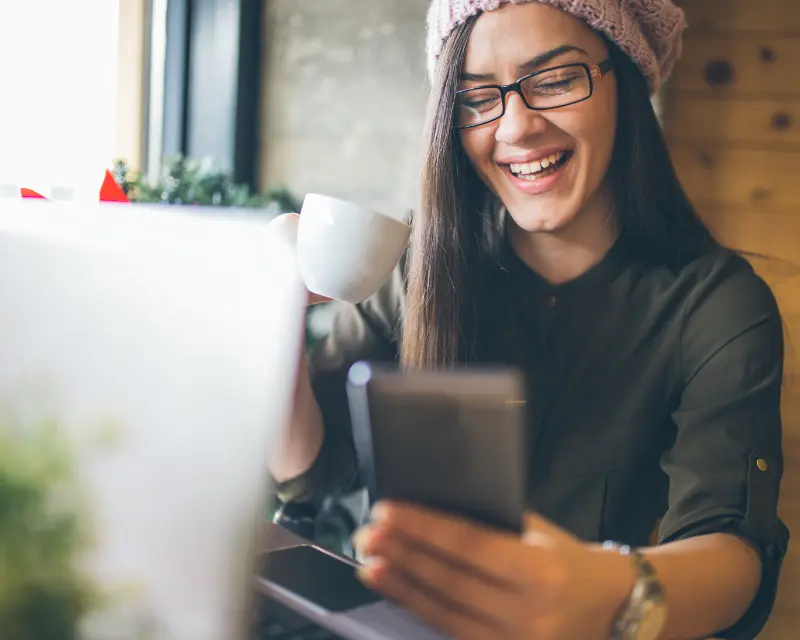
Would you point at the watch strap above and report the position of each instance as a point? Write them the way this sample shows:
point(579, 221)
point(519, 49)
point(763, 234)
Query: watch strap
point(644, 612)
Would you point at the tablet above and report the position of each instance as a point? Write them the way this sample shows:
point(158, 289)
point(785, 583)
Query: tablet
point(455, 441)
point(325, 580)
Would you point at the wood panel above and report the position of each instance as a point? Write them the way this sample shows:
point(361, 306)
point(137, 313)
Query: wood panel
point(781, 627)
point(790, 410)
point(747, 15)
point(732, 119)
point(750, 122)
point(751, 64)
point(739, 176)
point(775, 234)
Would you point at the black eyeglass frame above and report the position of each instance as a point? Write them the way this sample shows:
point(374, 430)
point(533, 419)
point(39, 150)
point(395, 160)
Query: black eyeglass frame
point(594, 71)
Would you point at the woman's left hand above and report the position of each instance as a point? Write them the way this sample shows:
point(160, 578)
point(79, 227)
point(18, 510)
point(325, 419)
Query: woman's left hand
point(470, 581)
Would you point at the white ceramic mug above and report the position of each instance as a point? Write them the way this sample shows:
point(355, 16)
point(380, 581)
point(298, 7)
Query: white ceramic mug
point(344, 251)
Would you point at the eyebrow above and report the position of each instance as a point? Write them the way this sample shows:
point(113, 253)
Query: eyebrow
point(530, 66)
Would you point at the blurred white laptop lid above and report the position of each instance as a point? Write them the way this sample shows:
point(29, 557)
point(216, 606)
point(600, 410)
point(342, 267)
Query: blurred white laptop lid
point(161, 342)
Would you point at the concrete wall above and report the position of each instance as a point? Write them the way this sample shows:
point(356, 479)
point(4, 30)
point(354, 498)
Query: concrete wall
point(344, 96)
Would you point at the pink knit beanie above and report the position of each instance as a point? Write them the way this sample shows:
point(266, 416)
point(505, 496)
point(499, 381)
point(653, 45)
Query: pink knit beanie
point(649, 31)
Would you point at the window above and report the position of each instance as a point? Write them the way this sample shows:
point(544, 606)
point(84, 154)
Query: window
point(58, 105)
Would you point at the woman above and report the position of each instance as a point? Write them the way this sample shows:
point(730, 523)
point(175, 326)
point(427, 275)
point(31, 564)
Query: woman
point(553, 235)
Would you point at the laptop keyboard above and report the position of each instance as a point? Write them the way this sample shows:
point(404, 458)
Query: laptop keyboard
point(273, 621)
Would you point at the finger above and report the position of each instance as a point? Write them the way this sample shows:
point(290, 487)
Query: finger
point(432, 608)
point(284, 226)
point(498, 602)
point(489, 551)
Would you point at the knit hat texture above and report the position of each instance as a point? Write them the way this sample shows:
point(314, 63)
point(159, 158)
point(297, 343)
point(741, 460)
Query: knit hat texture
point(649, 31)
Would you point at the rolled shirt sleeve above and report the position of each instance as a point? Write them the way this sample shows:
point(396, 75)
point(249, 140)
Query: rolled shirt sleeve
point(726, 464)
point(366, 331)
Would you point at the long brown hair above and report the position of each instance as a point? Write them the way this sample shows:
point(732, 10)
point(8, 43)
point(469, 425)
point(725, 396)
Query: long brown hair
point(458, 226)
point(446, 231)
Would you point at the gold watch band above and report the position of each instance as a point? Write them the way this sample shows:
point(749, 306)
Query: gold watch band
point(644, 614)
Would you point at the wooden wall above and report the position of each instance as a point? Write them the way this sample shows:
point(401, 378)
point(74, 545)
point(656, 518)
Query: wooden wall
point(732, 118)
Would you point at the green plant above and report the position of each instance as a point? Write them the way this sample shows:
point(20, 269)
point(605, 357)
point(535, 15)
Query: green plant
point(43, 593)
point(189, 181)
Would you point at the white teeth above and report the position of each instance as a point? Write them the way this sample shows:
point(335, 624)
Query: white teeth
point(537, 165)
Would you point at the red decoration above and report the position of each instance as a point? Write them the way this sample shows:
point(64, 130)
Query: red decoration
point(110, 191)
point(30, 193)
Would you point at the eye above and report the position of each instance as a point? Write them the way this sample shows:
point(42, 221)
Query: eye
point(556, 85)
point(480, 100)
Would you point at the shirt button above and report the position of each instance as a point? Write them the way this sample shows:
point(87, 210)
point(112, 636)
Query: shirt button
point(762, 464)
point(550, 302)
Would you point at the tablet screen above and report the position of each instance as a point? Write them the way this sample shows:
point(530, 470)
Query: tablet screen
point(320, 578)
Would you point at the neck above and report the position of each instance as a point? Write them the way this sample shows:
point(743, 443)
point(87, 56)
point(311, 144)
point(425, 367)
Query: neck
point(564, 255)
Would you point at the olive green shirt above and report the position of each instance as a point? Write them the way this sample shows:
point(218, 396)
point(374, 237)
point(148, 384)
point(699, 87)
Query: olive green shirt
point(654, 395)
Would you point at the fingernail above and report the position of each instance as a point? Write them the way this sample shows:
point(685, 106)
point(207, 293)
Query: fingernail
point(371, 569)
point(361, 537)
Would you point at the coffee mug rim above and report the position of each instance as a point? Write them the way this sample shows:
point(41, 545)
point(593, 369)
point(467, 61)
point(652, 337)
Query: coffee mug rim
point(350, 203)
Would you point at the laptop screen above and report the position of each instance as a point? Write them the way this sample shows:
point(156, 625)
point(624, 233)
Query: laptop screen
point(147, 361)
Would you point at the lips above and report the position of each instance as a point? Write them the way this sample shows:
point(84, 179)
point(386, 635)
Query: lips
point(539, 166)
point(540, 175)
point(533, 156)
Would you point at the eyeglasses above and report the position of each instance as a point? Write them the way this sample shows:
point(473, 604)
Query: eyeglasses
point(551, 88)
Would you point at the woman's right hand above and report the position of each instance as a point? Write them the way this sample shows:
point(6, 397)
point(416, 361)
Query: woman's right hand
point(285, 226)
point(301, 439)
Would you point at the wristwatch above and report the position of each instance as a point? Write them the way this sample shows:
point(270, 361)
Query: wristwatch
point(644, 614)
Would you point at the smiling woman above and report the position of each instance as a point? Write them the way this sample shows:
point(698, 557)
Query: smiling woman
point(554, 236)
point(575, 121)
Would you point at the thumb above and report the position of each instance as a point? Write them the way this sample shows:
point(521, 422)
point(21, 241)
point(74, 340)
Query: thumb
point(285, 228)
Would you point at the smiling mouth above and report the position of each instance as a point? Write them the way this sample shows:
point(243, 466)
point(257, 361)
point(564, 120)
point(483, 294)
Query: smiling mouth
point(540, 168)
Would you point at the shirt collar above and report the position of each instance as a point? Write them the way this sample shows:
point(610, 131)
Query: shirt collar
point(604, 272)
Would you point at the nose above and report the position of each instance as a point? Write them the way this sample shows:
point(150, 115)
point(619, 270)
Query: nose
point(518, 122)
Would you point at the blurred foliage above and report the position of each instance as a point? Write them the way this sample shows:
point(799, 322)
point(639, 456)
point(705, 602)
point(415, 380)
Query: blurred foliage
point(189, 181)
point(43, 593)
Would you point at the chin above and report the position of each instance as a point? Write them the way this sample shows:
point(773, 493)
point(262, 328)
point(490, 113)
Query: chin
point(546, 212)
point(541, 217)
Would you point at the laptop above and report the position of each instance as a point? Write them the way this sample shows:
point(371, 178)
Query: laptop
point(145, 370)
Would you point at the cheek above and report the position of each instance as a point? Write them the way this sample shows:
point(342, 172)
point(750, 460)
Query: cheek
point(594, 133)
point(479, 144)
point(602, 130)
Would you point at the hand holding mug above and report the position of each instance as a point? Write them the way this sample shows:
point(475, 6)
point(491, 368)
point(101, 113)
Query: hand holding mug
point(344, 252)
point(285, 226)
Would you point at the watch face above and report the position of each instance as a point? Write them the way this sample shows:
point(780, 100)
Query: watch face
point(654, 618)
